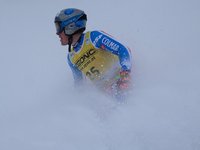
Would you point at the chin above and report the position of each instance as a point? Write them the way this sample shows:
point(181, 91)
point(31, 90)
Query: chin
point(63, 44)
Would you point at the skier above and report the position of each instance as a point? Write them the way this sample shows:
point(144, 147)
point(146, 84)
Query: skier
point(94, 54)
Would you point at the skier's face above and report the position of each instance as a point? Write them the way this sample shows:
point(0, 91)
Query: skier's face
point(63, 38)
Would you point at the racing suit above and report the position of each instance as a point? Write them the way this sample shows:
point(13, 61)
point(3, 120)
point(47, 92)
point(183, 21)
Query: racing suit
point(101, 58)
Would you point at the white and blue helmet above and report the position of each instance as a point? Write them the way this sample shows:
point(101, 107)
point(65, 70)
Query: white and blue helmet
point(70, 20)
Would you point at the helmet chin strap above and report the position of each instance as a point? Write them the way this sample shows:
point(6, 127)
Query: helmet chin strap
point(70, 39)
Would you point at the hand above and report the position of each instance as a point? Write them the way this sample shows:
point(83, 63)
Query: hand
point(124, 82)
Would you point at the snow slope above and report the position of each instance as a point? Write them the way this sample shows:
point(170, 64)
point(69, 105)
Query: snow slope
point(39, 110)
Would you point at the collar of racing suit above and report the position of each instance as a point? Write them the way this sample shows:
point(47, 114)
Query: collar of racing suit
point(76, 44)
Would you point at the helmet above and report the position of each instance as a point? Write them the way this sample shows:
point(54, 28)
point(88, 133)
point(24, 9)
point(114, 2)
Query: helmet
point(70, 20)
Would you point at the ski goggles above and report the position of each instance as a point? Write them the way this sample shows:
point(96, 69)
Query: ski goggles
point(58, 27)
point(78, 20)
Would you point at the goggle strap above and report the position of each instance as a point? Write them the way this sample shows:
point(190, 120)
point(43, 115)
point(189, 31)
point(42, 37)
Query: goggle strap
point(70, 39)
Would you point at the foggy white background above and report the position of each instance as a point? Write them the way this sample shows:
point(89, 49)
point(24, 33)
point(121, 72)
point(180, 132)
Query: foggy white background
point(40, 110)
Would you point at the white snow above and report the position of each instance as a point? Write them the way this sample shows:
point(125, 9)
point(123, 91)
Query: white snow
point(40, 110)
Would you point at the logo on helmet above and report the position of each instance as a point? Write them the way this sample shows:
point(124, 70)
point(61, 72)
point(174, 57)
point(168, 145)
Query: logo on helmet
point(80, 23)
point(69, 11)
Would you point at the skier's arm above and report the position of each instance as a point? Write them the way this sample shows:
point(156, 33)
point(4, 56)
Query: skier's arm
point(77, 74)
point(104, 41)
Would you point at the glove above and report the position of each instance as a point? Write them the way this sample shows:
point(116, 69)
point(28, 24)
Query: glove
point(124, 81)
point(123, 85)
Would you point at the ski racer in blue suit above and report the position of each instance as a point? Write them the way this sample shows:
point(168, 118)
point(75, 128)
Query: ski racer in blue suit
point(94, 54)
